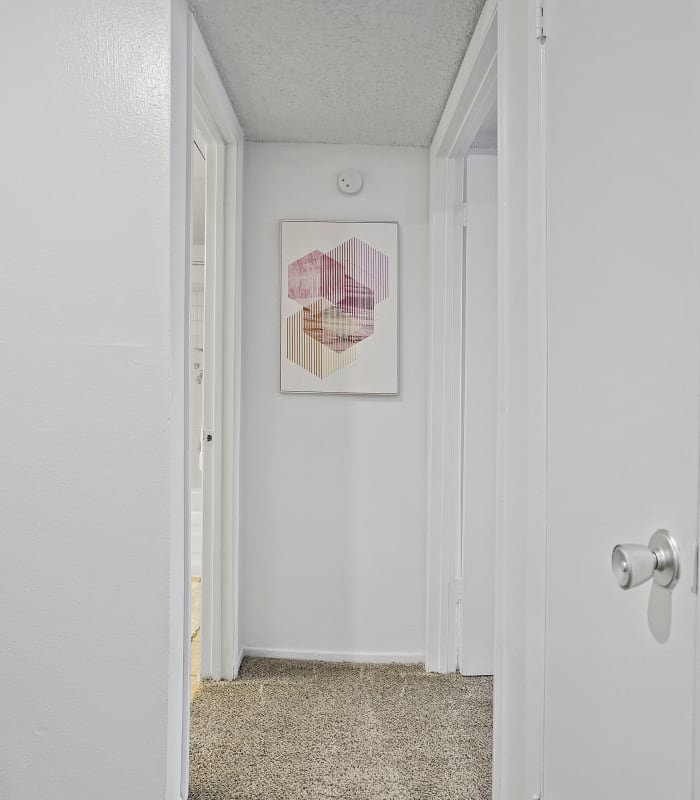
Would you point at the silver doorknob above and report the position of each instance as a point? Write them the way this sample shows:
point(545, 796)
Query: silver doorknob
point(633, 564)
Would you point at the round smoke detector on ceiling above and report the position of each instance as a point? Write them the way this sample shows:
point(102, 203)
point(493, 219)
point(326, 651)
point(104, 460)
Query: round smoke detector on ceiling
point(350, 181)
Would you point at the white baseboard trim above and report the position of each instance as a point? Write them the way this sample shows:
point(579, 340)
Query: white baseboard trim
point(331, 655)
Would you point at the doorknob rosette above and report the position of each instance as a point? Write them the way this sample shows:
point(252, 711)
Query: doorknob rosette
point(634, 564)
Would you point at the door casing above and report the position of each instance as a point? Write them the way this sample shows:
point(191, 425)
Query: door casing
point(504, 62)
point(221, 652)
point(223, 656)
point(473, 95)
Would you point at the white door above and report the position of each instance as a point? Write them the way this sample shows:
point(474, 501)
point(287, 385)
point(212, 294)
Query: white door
point(211, 625)
point(476, 655)
point(623, 160)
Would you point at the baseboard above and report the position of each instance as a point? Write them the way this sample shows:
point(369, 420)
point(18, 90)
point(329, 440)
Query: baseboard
point(332, 655)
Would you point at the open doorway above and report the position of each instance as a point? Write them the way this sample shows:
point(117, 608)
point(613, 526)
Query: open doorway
point(212, 420)
point(207, 444)
point(335, 720)
point(197, 361)
point(364, 722)
point(465, 427)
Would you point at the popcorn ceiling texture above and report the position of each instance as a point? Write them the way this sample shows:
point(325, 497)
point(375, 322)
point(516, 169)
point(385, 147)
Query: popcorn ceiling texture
point(338, 71)
point(295, 730)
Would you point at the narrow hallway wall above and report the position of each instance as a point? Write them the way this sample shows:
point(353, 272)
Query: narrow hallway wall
point(333, 521)
point(92, 477)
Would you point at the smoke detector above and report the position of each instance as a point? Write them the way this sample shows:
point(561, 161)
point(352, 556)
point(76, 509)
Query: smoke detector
point(350, 181)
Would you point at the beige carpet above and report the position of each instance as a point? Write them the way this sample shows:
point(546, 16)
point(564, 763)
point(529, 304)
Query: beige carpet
point(294, 730)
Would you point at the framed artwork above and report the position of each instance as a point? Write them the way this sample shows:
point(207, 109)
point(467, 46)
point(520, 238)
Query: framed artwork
point(339, 309)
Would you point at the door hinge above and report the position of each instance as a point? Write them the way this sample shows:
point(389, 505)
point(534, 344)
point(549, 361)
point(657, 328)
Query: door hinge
point(539, 22)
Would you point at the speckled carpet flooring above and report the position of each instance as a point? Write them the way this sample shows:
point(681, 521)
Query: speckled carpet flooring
point(301, 730)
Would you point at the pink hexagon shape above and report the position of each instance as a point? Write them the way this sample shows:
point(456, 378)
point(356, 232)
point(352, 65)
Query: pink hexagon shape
point(313, 276)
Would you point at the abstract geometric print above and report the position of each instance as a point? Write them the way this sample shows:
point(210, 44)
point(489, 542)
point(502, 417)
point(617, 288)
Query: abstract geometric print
point(338, 292)
point(308, 351)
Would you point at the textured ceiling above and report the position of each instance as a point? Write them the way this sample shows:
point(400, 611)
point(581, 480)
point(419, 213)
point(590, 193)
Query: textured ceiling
point(341, 71)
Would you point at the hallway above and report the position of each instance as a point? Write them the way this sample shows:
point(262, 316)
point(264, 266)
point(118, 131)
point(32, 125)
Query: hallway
point(370, 504)
point(312, 730)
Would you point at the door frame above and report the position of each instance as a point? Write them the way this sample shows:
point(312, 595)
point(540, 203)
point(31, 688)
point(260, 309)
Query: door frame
point(473, 95)
point(504, 61)
point(211, 103)
point(211, 632)
point(222, 655)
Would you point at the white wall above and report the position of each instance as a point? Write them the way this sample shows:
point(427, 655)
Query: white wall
point(333, 529)
point(89, 542)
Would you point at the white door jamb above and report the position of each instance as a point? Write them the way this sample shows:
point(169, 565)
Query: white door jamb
point(504, 62)
point(473, 95)
point(221, 654)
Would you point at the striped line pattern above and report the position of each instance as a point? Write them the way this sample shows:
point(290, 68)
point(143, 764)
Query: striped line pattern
point(357, 300)
point(364, 265)
point(338, 291)
point(334, 327)
point(315, 275)
point(310, 353)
